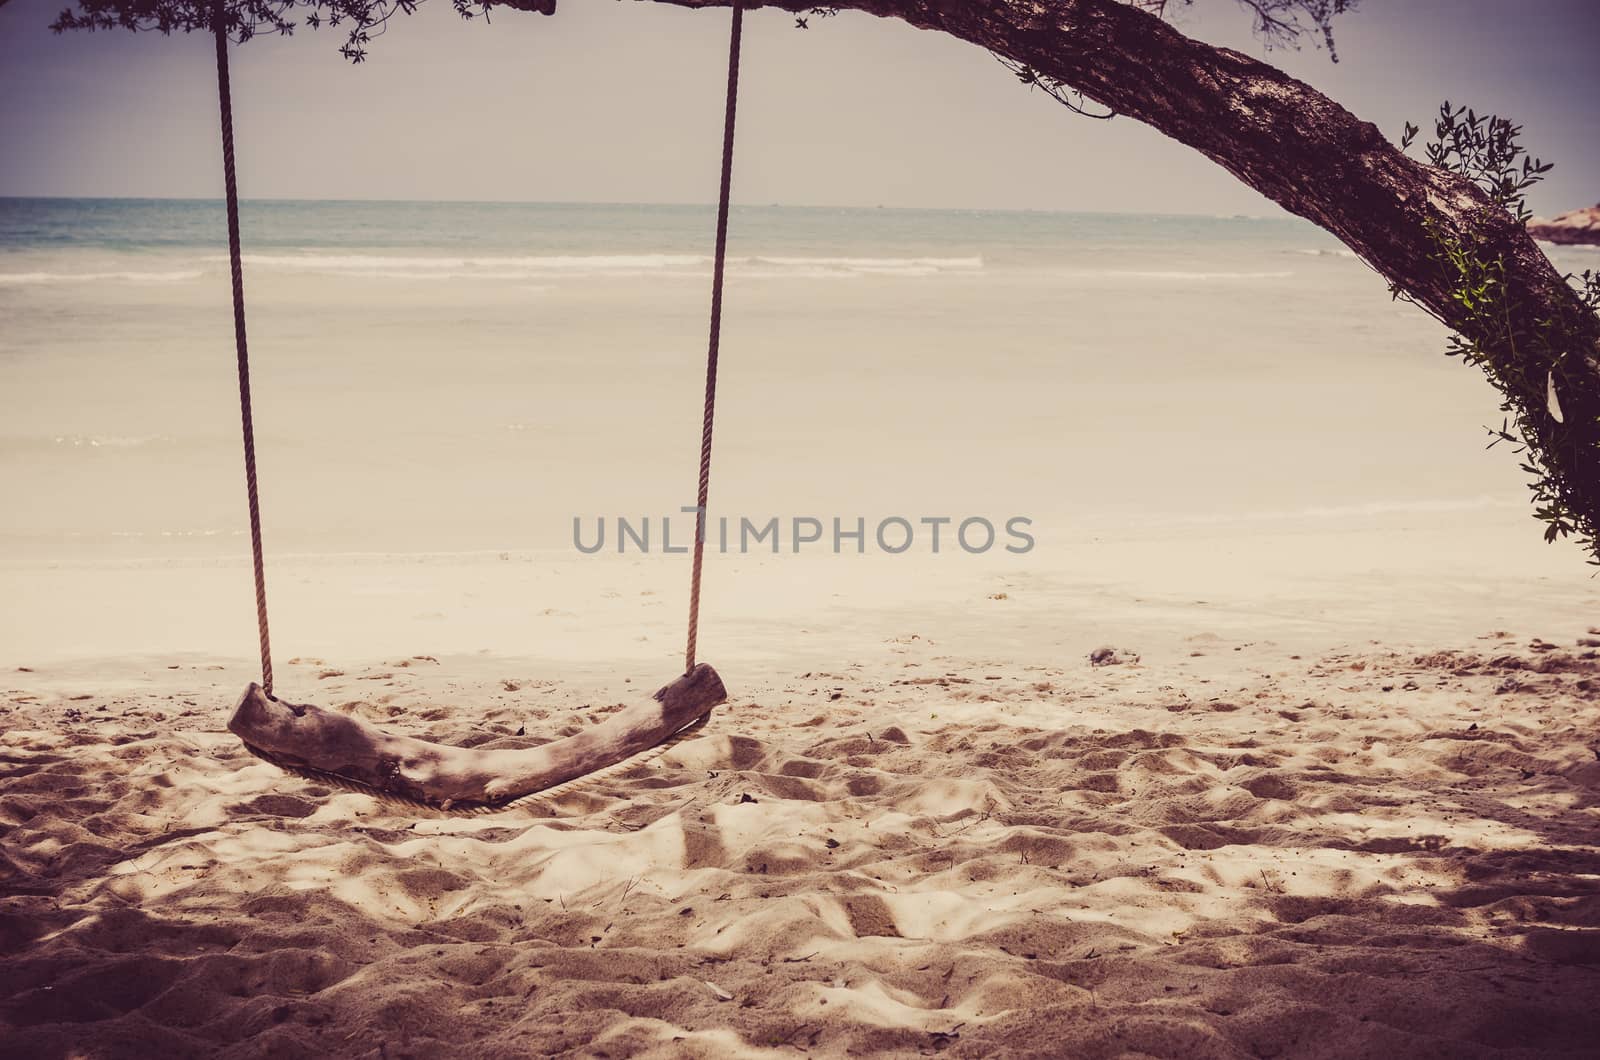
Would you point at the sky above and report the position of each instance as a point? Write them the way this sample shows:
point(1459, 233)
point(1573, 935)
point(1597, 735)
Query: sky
point(621, 102)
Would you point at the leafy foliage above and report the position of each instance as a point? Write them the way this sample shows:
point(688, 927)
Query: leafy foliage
point(363, 20)
point(1531, 367)
point(1483, 148)
point(804, 21)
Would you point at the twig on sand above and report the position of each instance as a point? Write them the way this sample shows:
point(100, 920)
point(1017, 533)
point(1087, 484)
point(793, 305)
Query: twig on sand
point(969, 824)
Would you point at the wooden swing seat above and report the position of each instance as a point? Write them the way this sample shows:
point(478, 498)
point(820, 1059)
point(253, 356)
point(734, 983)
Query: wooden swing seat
point(324, 744)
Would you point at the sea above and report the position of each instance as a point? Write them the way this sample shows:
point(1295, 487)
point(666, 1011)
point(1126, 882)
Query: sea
point(437, 377)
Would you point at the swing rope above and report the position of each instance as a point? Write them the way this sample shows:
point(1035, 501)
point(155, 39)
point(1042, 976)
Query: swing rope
point(247, 421)
point(716, 334)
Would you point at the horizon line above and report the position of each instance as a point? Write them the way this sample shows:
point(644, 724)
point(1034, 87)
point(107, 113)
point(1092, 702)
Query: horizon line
point(1213, 215)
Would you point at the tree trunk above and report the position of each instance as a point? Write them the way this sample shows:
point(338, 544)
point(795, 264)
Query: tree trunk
point(453, 778)
point(1315, 159)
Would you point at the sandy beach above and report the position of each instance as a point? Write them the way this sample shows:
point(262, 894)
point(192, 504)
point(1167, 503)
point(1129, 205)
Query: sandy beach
point(1372, 831)
point(1242, 713)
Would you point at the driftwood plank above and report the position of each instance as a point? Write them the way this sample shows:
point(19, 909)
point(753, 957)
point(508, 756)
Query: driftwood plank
point(306, 736)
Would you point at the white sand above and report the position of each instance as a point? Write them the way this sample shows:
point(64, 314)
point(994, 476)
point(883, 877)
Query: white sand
point(1345, 804)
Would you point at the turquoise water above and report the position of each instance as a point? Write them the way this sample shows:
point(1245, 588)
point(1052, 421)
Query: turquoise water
point(444, 376)
point(147, 228)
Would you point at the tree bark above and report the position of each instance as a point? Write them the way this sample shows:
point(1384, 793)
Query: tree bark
point(307, 737)
point(1309, 155)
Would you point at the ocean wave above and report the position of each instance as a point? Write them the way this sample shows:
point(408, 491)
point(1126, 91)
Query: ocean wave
point(813, 273)
point(1358, 510)
point(618, 266)
point(923, 265)
point(507, 266)
point(21, 279)
point(176, 533)
point(508, 275)
point(1327, 252)
point(110, 441)
point(1180, 275)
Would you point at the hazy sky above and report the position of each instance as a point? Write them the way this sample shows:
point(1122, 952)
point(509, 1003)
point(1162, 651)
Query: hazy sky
point(621, 102)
